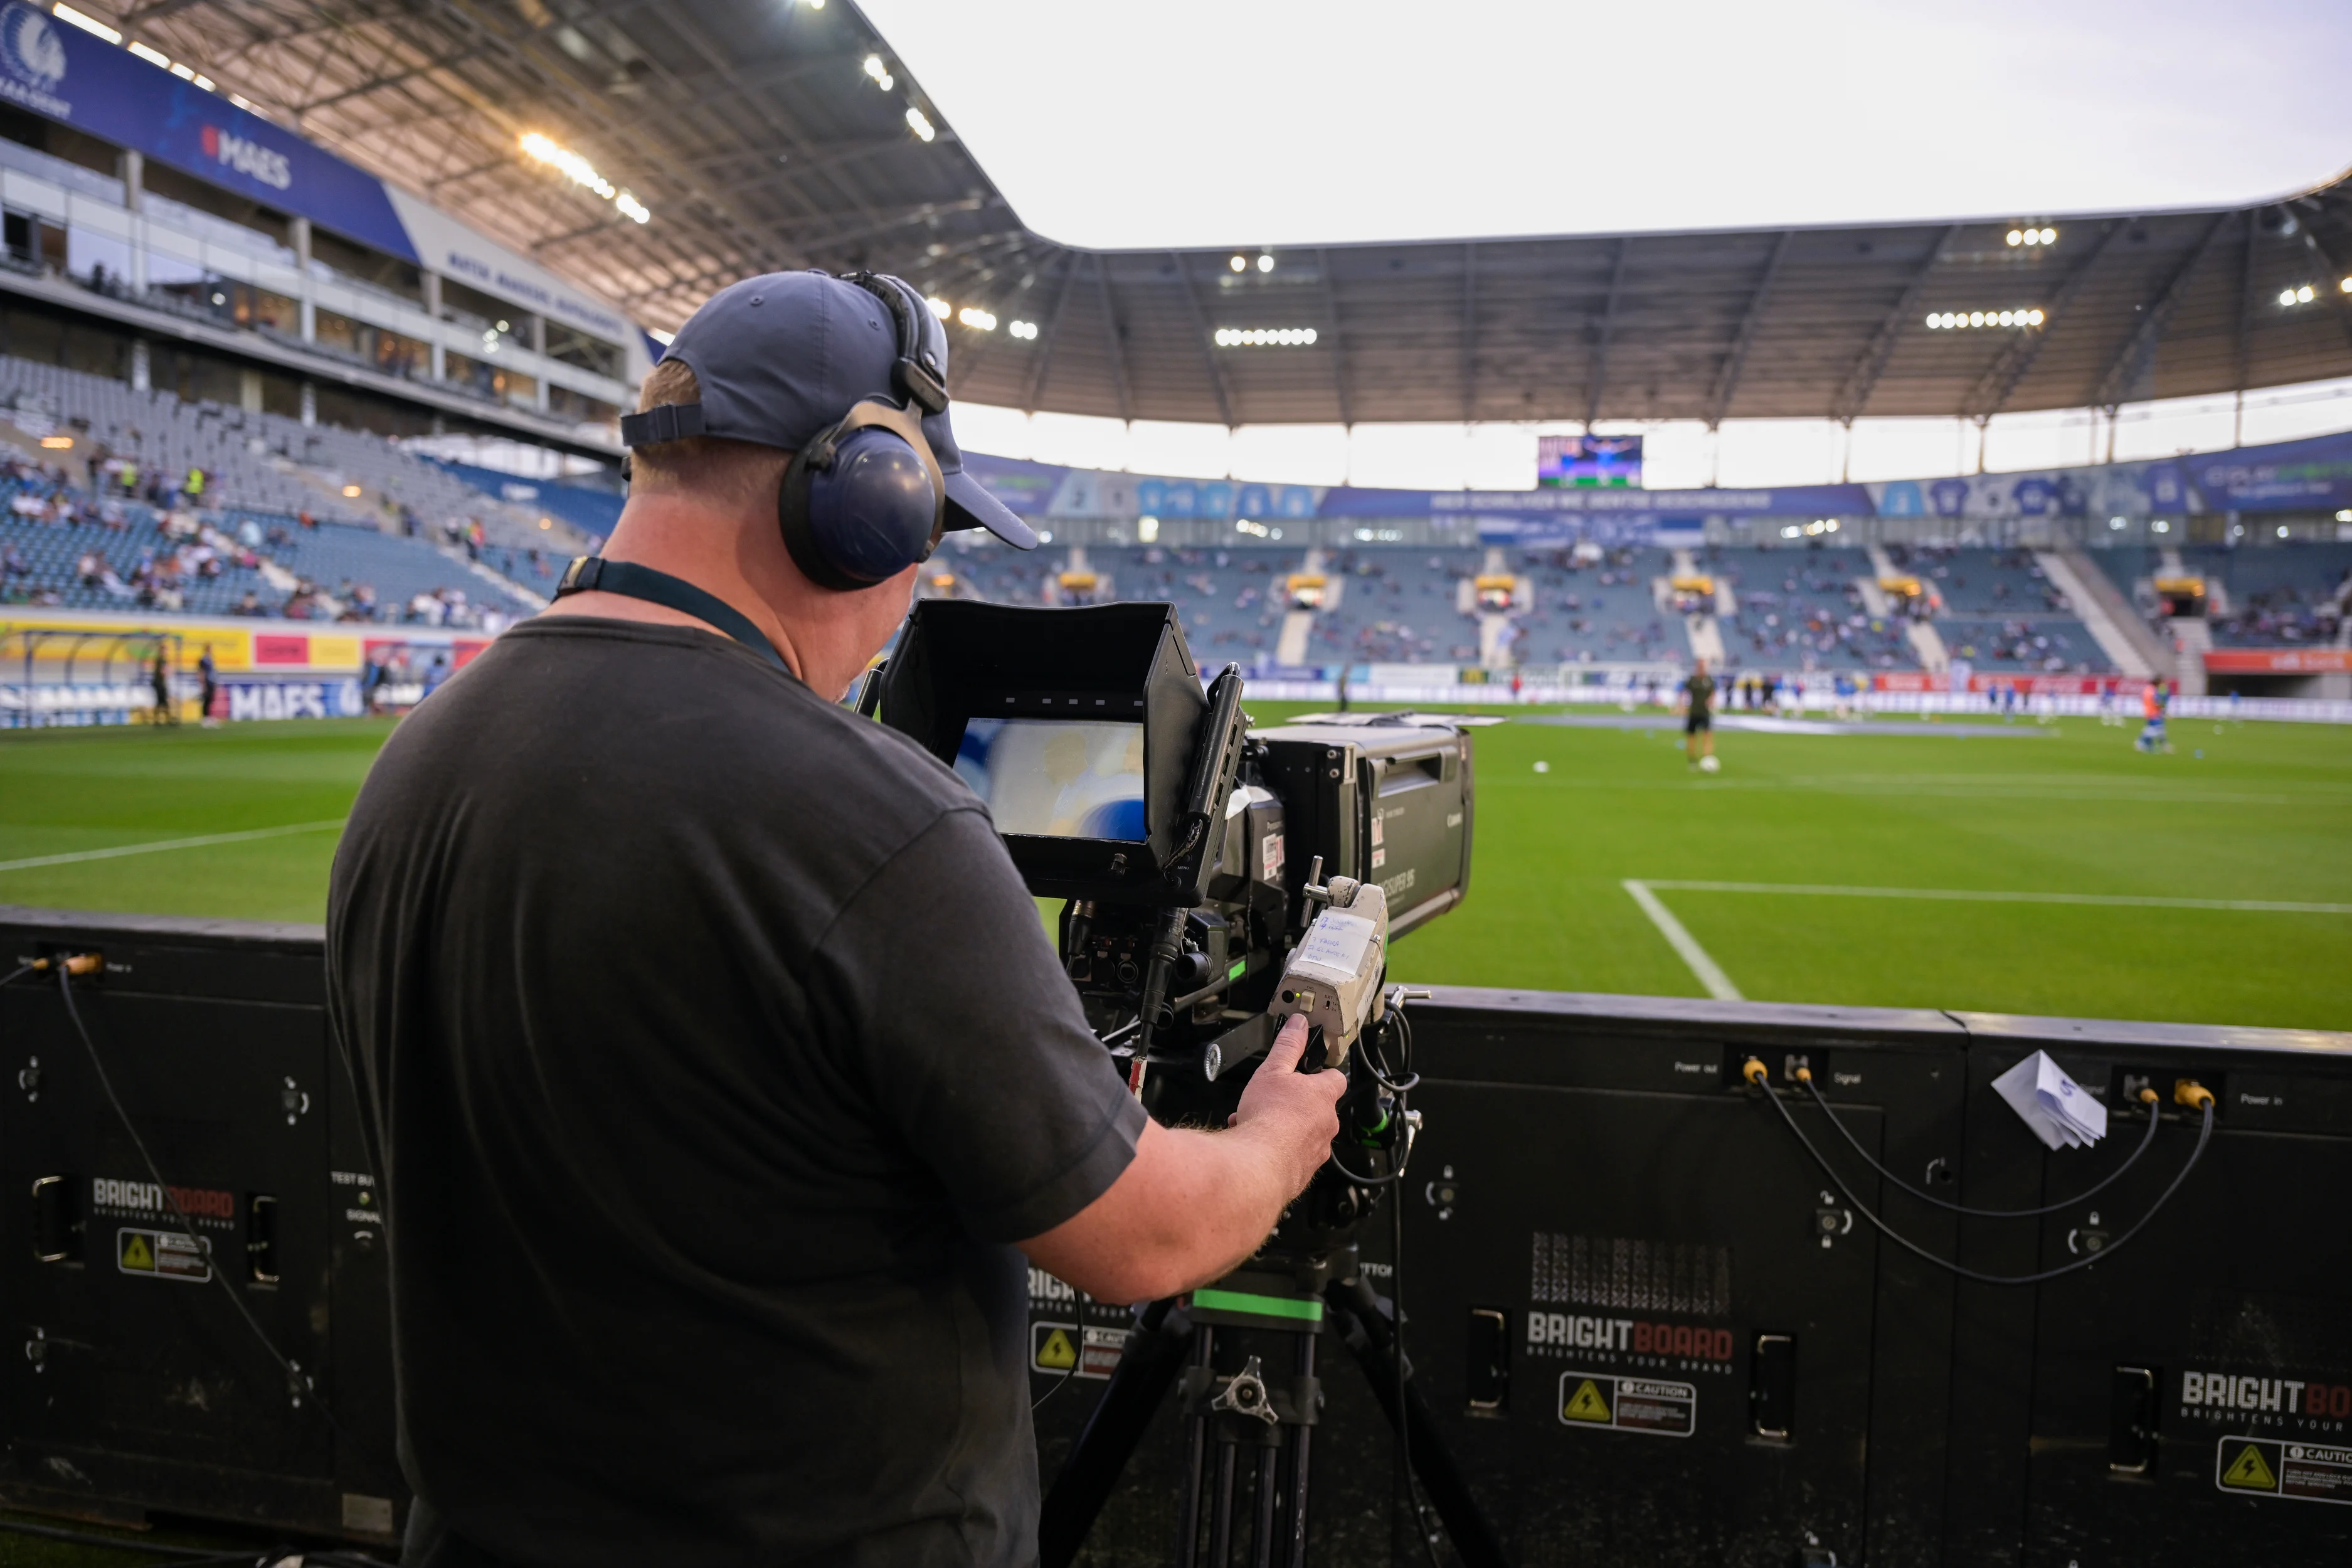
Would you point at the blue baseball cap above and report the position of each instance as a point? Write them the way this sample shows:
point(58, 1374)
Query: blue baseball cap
point(782, 356)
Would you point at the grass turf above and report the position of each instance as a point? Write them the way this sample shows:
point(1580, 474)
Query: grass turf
point(2264, 814)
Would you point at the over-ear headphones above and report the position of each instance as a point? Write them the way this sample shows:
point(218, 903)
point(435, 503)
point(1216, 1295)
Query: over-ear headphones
point(865, 499)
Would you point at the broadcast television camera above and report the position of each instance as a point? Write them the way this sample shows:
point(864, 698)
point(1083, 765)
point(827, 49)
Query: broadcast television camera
point(1216, 877)
point(1189, 849)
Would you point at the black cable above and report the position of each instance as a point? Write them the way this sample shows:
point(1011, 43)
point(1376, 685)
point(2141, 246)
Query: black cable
point(2204, 1136)
point(1405, 1419)
point(297, 1382)
point(2146, 1141)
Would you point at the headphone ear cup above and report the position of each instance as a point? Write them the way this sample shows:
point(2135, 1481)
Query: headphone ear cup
point(865, 518)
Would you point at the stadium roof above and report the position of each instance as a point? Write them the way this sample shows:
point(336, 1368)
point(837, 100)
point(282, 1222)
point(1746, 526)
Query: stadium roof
point(761, 138)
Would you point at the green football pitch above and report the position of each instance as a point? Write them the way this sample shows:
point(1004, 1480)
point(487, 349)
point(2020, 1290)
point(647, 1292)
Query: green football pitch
point(2027, 867)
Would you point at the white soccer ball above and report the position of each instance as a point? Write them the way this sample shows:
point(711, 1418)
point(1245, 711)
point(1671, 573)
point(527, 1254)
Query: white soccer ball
point(1708, 765)
point(1543, 767)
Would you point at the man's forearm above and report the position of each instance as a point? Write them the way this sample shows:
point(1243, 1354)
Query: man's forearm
point(1193, 1206)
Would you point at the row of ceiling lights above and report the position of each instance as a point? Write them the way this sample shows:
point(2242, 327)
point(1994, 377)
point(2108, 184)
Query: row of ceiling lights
point(878, 71)
point(582, 173)
point(153, 57)
point(1952, 321)
point(2304, 293)
point(2019, 236)
point(1265, 337)
point(1241, 263)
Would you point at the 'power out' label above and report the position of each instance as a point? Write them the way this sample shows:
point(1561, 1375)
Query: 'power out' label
point(1628, 1403)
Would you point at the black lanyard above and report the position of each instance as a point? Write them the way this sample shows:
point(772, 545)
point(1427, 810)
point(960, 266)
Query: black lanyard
point(593, 573)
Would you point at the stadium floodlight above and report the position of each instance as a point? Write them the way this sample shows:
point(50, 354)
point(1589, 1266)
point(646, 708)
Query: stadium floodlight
point(571, 165)
point(2048, 236)
point(2346, 285)
point(939, 307)
point(631, 208)
point(1147, 529)
point(2345, 516)
point(919, 124)
point(1025, 330)
point(2017, 236)
point(1266, 263)
point(153, 57)
point(74, 18)
point(881, 73)
point(1239, 264)
point(978, 320)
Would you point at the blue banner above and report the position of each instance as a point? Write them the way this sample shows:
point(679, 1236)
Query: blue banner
point(66, 74)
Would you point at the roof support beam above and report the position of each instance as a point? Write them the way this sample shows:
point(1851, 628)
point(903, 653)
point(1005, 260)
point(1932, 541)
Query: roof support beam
point(1598, 376)
point(373, 84)
point(1200, 336)
point(1726, 380)
point(1469, 331)
point(1110, 337)
point(1045, 358)
point(1339, 343)
point(1863, 379)
point(2008, 368)
point(2139, 347)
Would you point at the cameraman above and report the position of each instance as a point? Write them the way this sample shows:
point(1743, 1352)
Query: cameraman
point(716, 1063)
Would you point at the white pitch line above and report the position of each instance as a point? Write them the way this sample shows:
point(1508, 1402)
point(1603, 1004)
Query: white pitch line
point(1710, 973)
point(1967, 895)
point(156, 846)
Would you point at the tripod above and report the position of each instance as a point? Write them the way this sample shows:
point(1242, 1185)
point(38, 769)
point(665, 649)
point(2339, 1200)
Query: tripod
point(1272, 1413)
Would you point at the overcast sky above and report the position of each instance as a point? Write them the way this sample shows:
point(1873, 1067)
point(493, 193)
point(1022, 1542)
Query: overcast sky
point(1280, 121)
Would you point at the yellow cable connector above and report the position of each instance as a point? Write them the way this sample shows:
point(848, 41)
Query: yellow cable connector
point(75, 964)
point(1804, 1075)
point(2187, 1091)
point(1755, 1072)
point(2147, 1095)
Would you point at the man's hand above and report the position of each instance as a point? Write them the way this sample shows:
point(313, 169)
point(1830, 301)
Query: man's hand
point(1193, 1205)
point(1296, 1112)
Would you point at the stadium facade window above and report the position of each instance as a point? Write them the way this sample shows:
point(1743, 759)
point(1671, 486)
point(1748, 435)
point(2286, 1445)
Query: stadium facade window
point(502, 326)
point(489, 379)
point(390, 353)
point(577, 348)
point(339, 258)
point(162, 180)
point(97, 259)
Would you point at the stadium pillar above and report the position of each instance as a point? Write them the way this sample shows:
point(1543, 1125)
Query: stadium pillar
point(539, 347)
point(143, 369)
point(309, 402)
point(309, 305)
point(249, 390)
point(133, 167)
point(431, 283)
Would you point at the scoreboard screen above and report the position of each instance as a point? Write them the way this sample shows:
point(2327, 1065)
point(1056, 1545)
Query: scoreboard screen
point(1604, 462)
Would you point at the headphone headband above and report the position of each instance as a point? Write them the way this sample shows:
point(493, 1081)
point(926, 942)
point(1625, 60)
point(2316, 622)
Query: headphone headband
point(921, 375)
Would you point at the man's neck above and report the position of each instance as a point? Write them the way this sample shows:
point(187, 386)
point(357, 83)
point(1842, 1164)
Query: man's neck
point(704, 547)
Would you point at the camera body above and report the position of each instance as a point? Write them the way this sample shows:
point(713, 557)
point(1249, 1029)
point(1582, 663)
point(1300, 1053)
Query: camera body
point(1182, 841)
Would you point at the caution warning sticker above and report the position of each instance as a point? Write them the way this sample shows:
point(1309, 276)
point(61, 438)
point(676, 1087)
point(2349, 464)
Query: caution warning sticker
point(1628, 1403)
point(2271, 1466)
point(161, 1255)
point(1053, 1348)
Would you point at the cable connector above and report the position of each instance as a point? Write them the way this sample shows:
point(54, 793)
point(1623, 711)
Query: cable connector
point(2147, 1095)
point(73, 964)
point(2187, 1091)
point(1804, 1075)
point(1755, 1072)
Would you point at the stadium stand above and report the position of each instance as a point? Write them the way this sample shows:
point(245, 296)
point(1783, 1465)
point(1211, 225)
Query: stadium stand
point(591, 512)
point(1803, 609)
point(2284, 596)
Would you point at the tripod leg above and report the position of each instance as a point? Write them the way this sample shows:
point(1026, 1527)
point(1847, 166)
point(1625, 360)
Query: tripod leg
point(1221, 1528)
point(1357, 1307)
point(1302, 1439)
point(1154, 1355)
point(1196, 1462)
point(1262, 1537)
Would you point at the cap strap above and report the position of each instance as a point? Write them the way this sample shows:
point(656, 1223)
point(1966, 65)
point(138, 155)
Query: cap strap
point(665, 422)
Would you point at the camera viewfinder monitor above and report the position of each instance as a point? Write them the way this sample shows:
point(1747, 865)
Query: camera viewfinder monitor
point(1078, 728)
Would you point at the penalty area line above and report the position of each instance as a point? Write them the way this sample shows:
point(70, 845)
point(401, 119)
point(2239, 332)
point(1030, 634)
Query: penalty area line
point(1975, 896)
point(158, 846)
point(1709, 973)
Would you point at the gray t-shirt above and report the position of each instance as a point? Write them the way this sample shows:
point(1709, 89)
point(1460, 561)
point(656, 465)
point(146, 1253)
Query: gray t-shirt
point(714, 1055)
